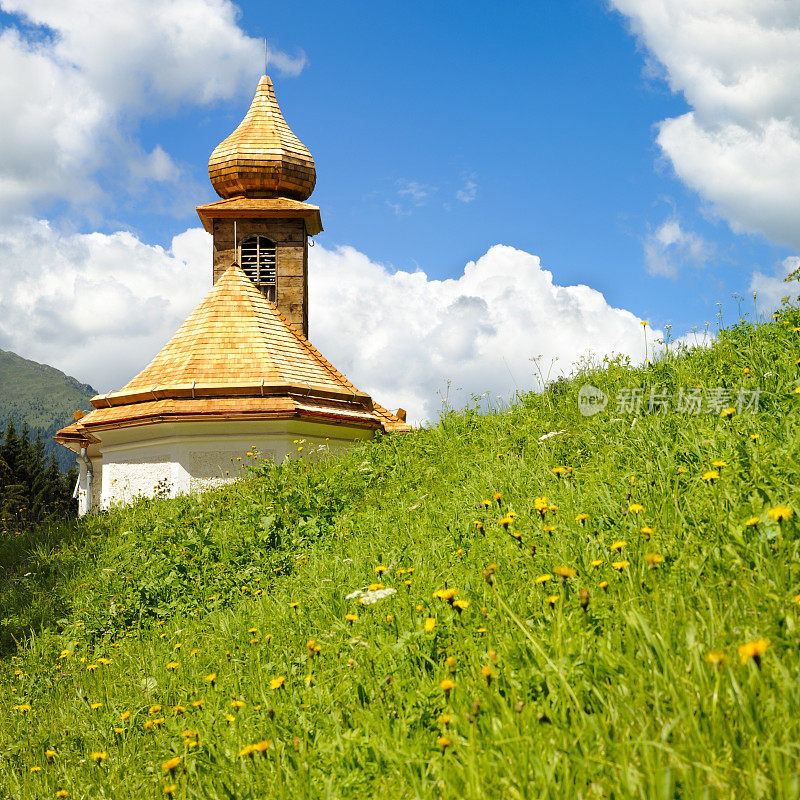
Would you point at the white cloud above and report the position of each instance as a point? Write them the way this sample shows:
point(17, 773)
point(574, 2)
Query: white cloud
point(402, 337)
point(737, 63)
point(771, 289)
point(96, 306)
point(71, 100)
point(100, 306)
point(468, 192)
point(669, 247)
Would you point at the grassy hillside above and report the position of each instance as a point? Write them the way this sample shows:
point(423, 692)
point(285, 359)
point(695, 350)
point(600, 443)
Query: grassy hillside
point(41, 397)
point(634, 635)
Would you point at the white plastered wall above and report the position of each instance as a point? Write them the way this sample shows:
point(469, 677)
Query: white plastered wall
point(175, 458)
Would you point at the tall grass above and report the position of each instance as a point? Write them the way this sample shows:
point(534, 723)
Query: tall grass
point(209, 624)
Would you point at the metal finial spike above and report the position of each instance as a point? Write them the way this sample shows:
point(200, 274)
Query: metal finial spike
point(265, 56)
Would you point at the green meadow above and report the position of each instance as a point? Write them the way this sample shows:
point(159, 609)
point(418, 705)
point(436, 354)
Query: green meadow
point(610, 611)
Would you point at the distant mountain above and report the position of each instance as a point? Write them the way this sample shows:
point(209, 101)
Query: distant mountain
point(41, 397)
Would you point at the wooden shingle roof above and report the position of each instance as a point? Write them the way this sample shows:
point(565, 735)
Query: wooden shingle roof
point(236, 355)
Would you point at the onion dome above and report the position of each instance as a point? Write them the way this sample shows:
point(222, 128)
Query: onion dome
point(262, 157)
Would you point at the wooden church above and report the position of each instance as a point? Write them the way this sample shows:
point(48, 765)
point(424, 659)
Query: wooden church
point(240, 374)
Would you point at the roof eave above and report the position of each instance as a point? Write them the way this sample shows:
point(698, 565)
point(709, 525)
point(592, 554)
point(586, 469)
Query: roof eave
point(261, 208)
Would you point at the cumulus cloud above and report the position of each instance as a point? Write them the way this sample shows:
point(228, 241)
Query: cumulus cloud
point(100, 306)
point(96, 306)
point(409, 340)
point(738, 66)
point(771, 289)
point(669, 248)
point(78, 76)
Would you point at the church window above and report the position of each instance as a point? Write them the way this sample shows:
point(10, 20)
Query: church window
point(257, 260)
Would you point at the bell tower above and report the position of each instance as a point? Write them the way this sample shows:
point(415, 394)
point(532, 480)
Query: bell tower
point(264, 173)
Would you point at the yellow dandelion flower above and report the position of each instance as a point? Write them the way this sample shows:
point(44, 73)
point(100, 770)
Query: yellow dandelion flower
point(620, 565)
point(653, 559)
point(62, 793)
point(727, 412)
point(719, 463)
point(460, 605)
point(171, 764)
point(565, 572)
point(646, 531)
point(581, 518)
point(450, 663)
point(430, 624)
point(752, 521)
point(95, 706)
point(636, 508)
point(351, 617)
point(178, 709)
point(194, 653)
point(780, 513)
point(277, 683)
point(237, 703)
point(172, 666)
point(498, 496)
point(618, 545)
point(178, 646)
point(444, 719)
point(447, 685)
point(543, 578)
point(755, 437)
point(198, 703)
point(710, 476)
point(681, 470)
point(548, 528)
point(99, 756)
point(211, 677)
point(559, 471)
point(753, 650)
point(715, 659)
point(486, 671)
point(380, 569)
point(552, 600)
point(50, 754)
point(595, 562)
point(375, 587)
point(230, 718)
point(23, 707)
point(294, 604)
point(36, 769)
point(170, 788)
point(154, 710)
point(91, 667)
point(444, 742)
point(603, 585)
point(446, 594)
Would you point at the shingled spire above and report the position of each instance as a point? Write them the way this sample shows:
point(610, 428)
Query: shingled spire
point(262, 157)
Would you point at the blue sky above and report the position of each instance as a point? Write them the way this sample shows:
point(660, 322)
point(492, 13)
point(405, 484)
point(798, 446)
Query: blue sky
point(546, 107)
point(644, 148)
